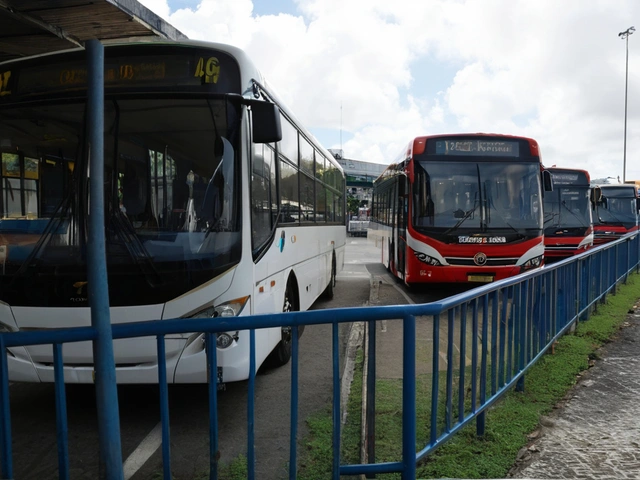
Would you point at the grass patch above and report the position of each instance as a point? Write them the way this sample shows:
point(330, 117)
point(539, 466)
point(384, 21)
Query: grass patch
point(316, 456)
point(234, 470)
point(507, 423)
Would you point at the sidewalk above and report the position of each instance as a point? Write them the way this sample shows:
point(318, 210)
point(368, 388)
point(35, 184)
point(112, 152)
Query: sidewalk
point(594, 433)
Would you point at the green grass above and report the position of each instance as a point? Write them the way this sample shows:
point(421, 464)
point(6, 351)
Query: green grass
point(317, 453)
point(234, 470)
point(508, 423)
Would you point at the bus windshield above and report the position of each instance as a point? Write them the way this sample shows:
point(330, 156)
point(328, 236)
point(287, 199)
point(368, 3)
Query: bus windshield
point(618, 207)
point(459, 197)
point(172, 214)
point(567, 207)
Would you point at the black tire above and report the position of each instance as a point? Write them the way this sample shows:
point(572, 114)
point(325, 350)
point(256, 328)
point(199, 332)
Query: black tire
point(282, 353)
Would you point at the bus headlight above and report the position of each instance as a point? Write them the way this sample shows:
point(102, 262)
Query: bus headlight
point(232, 308)
point(534, 262)
point(225, 340)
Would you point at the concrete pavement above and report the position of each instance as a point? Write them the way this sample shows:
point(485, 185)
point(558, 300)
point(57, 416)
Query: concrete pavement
point(595, 434)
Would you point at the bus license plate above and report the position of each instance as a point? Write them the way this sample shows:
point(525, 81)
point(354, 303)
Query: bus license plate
point(480, 278)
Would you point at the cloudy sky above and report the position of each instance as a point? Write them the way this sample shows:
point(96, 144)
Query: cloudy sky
point(368, 75)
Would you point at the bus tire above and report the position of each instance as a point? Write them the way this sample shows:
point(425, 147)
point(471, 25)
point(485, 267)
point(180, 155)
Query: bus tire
point(282, 353)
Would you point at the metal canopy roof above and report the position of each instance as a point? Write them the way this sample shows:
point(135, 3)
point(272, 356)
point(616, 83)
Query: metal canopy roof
point(31, 27)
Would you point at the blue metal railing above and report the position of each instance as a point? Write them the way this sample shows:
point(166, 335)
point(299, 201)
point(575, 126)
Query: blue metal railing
point(506, 326)
point(509, 326)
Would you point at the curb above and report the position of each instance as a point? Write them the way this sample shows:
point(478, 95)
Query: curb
point(358, 339)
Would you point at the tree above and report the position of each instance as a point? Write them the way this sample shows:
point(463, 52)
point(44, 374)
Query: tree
point(352, 205)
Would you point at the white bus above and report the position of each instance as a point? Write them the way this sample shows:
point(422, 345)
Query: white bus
point(206, 176)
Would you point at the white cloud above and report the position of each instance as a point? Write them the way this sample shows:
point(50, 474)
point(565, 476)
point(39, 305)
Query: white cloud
point(546, 69)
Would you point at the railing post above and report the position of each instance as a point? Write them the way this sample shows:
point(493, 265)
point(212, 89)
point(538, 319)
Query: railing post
point(409, 397)
point(61, 413)
point(6, 460)
point(481, 417)
point(371, 394)
point(106, 389)
point(626, 267)
point(335, 414)
point(293, 436)
point(522, 333)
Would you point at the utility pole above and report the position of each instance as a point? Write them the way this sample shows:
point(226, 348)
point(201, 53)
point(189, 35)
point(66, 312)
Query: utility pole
point(625, 36)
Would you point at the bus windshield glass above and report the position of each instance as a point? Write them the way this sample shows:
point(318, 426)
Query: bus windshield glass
point(459, 197)
point(567, 206)
point(171, 198)
point(618, 207)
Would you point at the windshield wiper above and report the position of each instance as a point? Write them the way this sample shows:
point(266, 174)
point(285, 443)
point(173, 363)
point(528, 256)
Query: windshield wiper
point(582, 222)
point(616, 220)
point(550, 216)
point(465, 216)
point(135, 247)
point(52, 226)
point(509, 225)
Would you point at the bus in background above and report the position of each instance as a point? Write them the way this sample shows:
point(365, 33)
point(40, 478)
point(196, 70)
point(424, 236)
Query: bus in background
point(461, 208)
point(359, 224)
point(615, 211)
point(568, 224)
point(219, 203)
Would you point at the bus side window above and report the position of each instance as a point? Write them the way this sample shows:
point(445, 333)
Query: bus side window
point(263, 204)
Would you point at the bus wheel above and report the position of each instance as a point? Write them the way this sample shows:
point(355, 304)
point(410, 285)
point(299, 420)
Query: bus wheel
point(282, 353)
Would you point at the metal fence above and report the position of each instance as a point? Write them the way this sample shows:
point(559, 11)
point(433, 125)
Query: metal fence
point(482, 343)
point(493, 335)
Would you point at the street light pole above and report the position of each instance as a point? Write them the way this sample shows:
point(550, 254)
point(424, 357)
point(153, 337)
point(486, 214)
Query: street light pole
point(625, 36)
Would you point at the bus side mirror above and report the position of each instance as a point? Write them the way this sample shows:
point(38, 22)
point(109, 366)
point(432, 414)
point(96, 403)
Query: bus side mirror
point(638, 203)
point(265, 123)
point(547, 181)
point(596, 195)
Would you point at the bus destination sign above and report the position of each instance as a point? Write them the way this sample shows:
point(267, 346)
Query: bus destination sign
point(487, 148)
point(569, 178)
point(145, 69)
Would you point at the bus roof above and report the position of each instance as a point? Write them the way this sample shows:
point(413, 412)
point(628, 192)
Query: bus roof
point(249, 73)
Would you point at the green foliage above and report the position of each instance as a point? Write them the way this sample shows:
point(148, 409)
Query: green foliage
point(352, 205)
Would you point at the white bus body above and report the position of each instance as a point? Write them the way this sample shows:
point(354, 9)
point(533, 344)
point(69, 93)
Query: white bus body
point(219, 251)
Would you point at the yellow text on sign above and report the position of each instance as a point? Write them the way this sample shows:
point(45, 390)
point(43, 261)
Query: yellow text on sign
point(209, 69)
point(4, 83)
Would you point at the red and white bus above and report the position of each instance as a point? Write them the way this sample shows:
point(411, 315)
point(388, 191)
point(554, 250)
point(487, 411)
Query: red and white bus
point(615, 211)
point(568, 224)
point(461, 208)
